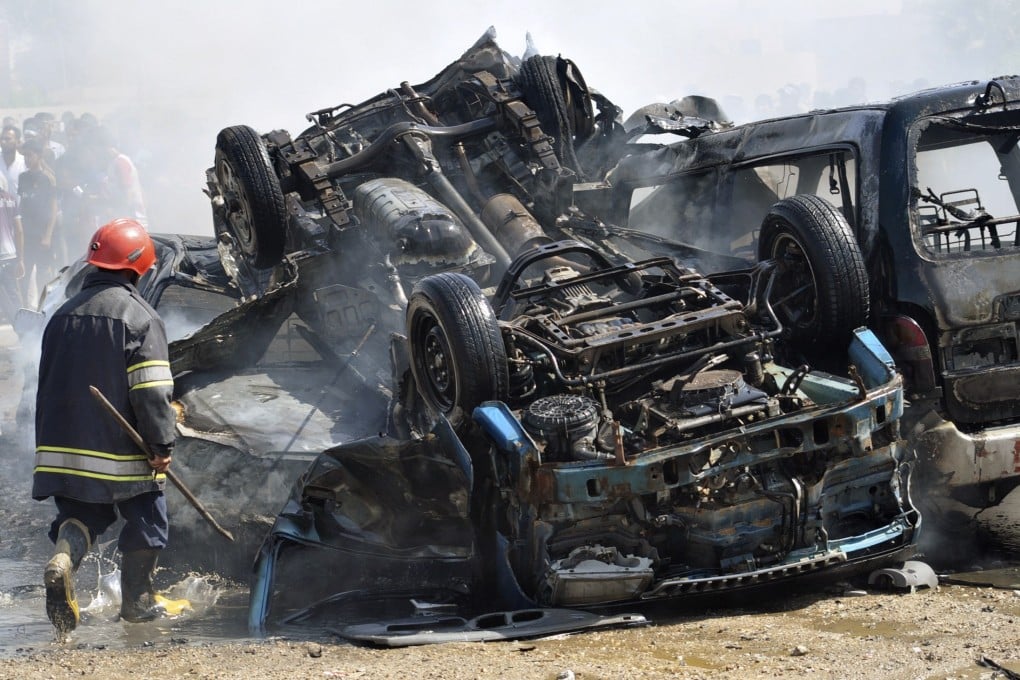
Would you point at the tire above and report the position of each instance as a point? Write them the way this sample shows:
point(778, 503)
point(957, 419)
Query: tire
point(821, 290)
point(256, 215)
point(546, 92)
point(456, 348)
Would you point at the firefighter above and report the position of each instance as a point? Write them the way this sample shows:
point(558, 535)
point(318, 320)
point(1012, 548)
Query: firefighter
point(109, 337)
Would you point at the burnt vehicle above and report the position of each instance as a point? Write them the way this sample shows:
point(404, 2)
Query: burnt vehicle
point(623, 447)
point(188, 287)
point(256, 392)
point(578, 417)
point(930, 186)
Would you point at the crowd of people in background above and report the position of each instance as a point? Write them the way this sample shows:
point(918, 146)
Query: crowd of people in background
point(60, 179)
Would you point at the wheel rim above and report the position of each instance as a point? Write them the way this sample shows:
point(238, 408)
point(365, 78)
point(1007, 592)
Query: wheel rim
point(239, 219)
point(435, 362)
point(795, 291)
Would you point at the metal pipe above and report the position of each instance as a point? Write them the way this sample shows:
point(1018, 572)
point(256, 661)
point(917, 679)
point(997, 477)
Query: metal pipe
point(512, 224)
point(625, 306)
point(689, 424)
point(469, 173)
point(419, 105)
point(520, 334)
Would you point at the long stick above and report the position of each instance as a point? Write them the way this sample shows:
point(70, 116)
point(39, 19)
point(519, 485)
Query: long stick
point(172, 476)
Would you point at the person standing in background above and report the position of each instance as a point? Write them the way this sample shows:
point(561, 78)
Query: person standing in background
point(79, 178)
point(123, 189)
point(37, 206)
point(12, 268)
point(52, 149)
point(12, 163)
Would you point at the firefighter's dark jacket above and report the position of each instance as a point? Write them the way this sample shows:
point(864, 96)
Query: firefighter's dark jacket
point(106, 336)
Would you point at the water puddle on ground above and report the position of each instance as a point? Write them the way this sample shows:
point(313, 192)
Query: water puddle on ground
point(218, 611)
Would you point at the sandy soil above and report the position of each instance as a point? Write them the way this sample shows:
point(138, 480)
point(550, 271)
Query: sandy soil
point(928, 634)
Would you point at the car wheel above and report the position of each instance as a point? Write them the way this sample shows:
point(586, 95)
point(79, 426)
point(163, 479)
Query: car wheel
point(563, 111)
point(256, 216)
point(456, 348)
point(821, 289)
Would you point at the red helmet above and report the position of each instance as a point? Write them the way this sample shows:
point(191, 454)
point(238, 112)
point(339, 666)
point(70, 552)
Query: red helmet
point(122, 244)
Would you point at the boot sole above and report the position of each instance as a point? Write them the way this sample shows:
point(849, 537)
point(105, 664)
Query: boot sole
point(61, 604)
point(142, 618)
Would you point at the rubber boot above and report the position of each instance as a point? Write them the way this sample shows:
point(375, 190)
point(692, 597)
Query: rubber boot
point(138, 599)
point(61, 604)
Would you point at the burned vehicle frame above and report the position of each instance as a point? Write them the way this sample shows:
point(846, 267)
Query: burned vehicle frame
point(646, 447)
point(578, 417)
point(930, 184)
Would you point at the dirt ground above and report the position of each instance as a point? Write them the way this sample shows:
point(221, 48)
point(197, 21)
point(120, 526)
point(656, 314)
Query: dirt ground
point(843, 633)
point(860, 634)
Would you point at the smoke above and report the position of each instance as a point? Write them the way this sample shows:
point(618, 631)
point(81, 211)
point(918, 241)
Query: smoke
point(168, 76)
point(173, 74)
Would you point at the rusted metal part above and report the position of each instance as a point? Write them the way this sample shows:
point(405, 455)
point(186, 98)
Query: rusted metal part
point(621, 456)
point(665, 467)
point(512, 224)
point(418, 103)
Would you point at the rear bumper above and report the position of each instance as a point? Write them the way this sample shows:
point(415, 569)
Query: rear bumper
point(978, 469)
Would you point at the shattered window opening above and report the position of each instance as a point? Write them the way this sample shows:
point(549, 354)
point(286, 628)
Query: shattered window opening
point(733, 204)
point(185, 309)
point(967, 189)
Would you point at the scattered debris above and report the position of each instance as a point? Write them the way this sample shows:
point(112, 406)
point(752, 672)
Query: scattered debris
point(989, 663)
point(911, 575)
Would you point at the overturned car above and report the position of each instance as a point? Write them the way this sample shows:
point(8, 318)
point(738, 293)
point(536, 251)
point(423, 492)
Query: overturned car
point(577, 417)
point(657, 453)
point(255, 400)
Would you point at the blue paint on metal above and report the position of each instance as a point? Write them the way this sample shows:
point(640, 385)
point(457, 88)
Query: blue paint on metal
point(874, 363)
point(870, 539)
point(499, 423)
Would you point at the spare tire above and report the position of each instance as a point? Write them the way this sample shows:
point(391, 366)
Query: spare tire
point(255, 213)
point(456, 348)
point(821, 288)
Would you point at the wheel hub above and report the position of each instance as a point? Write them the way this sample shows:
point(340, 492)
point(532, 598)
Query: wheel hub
point(437, 366)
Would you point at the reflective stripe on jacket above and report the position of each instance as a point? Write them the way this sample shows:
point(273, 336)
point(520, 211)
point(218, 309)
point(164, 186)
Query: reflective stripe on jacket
point(109, 337)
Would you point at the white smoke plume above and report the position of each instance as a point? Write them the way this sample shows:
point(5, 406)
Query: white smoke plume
point(183, 70)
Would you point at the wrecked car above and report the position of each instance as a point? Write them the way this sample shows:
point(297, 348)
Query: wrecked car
point(578, 417)
point(188, 286)
point(256, 393)
point(614, 470)
point(929, 184)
